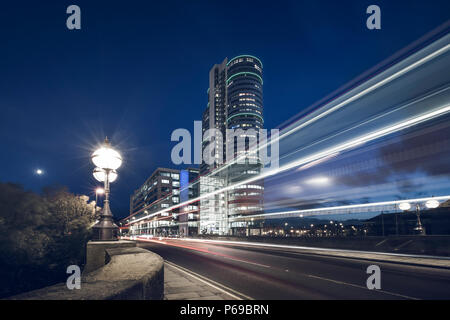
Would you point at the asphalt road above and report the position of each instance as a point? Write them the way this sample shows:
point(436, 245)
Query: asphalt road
point(272, 273)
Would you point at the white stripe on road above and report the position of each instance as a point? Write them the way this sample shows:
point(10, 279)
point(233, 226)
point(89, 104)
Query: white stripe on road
point(361, 287)
point(218, 286)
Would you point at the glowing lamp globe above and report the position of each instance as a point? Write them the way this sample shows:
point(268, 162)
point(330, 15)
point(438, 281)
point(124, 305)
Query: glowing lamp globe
point(404, 206)
point(100, 175)
point(106, 157)
point(431, 204)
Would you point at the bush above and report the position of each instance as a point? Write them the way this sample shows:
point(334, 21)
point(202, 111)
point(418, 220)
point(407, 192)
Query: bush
point(40, 235)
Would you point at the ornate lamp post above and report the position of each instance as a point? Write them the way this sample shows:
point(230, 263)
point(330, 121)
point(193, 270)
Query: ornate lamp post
point(107, 161)
point(430, 204)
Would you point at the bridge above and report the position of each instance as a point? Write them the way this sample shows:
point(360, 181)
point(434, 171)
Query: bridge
point(338, 158)
point(381, 145)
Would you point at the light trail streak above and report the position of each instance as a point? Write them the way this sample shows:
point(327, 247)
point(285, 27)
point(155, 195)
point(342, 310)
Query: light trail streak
point(351, 99)
point(214, 253)
point(355, 97)
point(375, 191)
point(366, 122)
point(317, 162)
point(311, 212)
point(286, 246)
point(413, 153)
point(324, 113)
point(319, 155)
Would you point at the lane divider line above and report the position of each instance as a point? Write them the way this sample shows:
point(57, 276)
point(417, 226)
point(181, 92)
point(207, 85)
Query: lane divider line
point(361, 287)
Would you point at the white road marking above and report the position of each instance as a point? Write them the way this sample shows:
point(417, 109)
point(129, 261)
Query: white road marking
point(361, 287)
point(218, 286)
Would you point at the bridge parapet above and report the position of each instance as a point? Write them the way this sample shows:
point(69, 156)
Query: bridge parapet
point(130, 273)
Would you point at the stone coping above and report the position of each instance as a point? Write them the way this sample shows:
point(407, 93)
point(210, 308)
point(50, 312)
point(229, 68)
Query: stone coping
point(131, 274)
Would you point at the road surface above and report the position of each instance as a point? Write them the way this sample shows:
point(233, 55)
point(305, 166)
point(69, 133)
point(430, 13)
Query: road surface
point(274, 273)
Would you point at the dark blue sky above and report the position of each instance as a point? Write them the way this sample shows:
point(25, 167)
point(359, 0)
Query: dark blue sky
point(137, 70)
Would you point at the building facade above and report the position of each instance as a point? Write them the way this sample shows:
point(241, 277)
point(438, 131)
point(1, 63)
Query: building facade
point(165, 188)
point(189, 214)
point(245, 118)
point(160, 191)
point(235, 104)
point(235, 111)
point(213, 214)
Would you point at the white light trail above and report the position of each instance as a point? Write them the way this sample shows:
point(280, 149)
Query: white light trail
point(284, 246)
point(364, 92)
point(351, 206)
point(324, 113)
point(402, 107)
point(376, 191)
point(318, 155)
point(318, 181)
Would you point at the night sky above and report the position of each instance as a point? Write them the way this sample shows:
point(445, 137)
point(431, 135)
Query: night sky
point(137, 70)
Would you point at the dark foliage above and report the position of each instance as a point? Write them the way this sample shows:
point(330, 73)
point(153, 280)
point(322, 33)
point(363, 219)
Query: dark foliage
point(40, 235)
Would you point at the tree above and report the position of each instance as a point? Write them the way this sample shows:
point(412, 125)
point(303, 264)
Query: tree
point(40, 235)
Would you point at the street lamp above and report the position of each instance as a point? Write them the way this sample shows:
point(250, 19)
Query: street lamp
point(100, 175)
point(404, 206)
point(98, 191)
point(107, 161)
point(430, 204)
point(419, 228)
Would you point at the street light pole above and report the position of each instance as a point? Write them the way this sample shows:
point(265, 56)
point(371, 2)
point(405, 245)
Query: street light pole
point(396, 224)
point(107, 161)
point(106, 229)
point(419, 228)
point(430, 204)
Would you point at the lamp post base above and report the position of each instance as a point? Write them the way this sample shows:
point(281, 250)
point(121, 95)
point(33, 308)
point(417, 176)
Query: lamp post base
point(105, 231)
point(419, 230)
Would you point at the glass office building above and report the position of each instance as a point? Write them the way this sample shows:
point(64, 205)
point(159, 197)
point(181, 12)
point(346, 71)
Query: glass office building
point(160, 191)
point(235, 102)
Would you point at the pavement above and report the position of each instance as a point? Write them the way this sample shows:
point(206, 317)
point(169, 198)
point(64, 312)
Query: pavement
point(182, 285)
point(264, 272)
